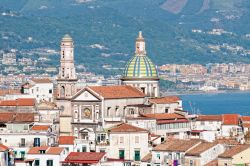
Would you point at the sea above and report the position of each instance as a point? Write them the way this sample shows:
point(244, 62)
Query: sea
point(217, 103)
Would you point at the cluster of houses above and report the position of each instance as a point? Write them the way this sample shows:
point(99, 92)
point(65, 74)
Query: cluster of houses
point(124, 125)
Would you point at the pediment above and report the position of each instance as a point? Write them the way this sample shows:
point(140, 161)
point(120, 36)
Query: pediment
point(85, 95)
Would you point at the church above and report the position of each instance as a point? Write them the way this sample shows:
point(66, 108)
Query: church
point(90, 113)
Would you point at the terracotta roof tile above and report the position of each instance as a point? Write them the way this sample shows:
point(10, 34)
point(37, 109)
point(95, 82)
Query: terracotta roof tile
point(165, 116)
point(246, 125)
point(19, 102)
point(66, 140)
point(36, 150)
point(233, 151)
point(227, 141)
point(165, 100)
point(212, 163)
point(230, 119)
point(177, 145)
point(55, 150)
point(209, 118)
point(245, 118)
point(3, 148)
point(41, 80)
point(204, 146)
point(40, 127)
point(84, 157)
point(117, 92)
point(4, 92)
point(172, 121)
point(127, 128)
point(12, 117)
point(48, 150)
point(147, 158)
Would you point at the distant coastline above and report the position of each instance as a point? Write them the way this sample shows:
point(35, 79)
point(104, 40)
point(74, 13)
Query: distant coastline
point(178, 93)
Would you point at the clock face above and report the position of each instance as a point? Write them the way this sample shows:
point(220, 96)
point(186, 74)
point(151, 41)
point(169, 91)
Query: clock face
point(86, 113)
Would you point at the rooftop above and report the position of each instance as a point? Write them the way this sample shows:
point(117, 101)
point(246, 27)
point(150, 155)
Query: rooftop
point(117, 92)
point(165, 116)
point(66, 140)
point(245, 118)
point(41, 80)
point(177, 145)
point(147, 158)
point(204, 146)
point(3, 148)
point(40, 127)
point(11, 117)
point(165, 100)
point(230, 119)
point(46, 150)
point(127, 128)
point(234, 150)
point(84, 157)
point(212, 163)
point(209, 118)
point(19, 102)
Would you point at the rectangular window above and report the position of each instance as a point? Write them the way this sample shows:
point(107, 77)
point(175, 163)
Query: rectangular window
point(37, 162)
point(166, 110)
point(22, 154)
point(137, 139)
point(49, 162)
point(50, 91)
point(36, 142)
point(84, 149)
point(137, 155)
point(22, 142)
point(121, 140)
point(101, 137)
point(191, 163)
point(121, 154)
point(158, 156)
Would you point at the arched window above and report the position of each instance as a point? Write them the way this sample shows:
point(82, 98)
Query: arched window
point(62, 91)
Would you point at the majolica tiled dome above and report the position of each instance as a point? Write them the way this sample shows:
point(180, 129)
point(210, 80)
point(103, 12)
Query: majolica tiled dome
point(140, 67)
point(67, 38)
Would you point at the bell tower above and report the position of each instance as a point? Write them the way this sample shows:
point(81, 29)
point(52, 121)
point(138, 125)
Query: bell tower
point(66, 79)
point(140, 45)
point(66, 84)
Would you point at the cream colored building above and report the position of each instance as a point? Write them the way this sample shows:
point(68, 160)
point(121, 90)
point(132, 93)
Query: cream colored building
point(203, 154)
point(237, 155)
point(128, 142)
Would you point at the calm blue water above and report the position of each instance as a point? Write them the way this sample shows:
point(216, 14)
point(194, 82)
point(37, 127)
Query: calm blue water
point(220, 103)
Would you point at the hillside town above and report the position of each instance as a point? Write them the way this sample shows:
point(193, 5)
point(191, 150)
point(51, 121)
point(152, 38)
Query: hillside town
point(212, 77)
point(64, 121)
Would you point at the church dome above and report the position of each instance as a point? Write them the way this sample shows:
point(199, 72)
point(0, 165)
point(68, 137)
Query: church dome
point(140, 66)
point(67, 38)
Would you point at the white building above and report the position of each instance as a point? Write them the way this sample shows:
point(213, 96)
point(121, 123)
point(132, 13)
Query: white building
point(40, 89)
point(172, 152)
point(19, 133)
point(203, 153)
point(5, 159)
point(44, 155)
point(168, 104)
point(128, 142)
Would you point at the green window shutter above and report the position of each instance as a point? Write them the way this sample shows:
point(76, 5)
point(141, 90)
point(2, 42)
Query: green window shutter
point(137, 155)
point(49, 162)
point(37, 162)
point(121, 154)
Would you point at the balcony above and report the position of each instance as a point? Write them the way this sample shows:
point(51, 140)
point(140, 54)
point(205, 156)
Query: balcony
point(82, 141)
point(113, 119)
